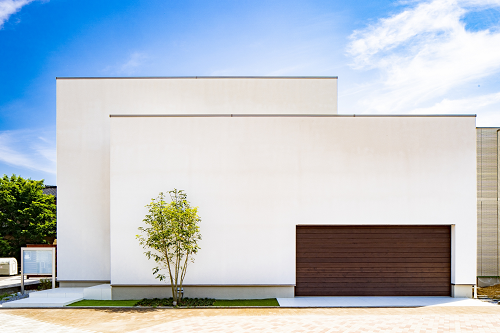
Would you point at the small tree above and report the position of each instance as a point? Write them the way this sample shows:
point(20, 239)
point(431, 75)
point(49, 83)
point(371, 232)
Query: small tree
point(171, 237)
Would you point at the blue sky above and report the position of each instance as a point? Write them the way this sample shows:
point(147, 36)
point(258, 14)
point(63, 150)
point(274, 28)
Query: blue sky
point(391, 57)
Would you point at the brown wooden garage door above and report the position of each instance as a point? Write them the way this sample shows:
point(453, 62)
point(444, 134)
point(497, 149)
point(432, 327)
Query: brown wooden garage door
point(373, 261)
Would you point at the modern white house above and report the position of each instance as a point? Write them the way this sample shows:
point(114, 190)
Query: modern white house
point(295, 199)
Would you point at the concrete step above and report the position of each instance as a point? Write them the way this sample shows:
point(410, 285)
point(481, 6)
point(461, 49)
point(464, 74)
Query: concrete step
point(100, 292)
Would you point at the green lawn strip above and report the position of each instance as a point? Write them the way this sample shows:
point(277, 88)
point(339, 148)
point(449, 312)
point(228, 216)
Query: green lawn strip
point(247, 302)
point(220, 302)
point(89, 302)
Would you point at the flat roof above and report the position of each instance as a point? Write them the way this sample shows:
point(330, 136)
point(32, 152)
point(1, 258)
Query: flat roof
point(195, 77)
point(292, 115)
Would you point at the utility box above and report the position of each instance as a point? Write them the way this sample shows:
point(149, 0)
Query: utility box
point(8, 266)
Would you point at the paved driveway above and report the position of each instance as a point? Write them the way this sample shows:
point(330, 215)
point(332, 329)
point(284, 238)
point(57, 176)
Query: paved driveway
point(425, 319)
point(379, 301)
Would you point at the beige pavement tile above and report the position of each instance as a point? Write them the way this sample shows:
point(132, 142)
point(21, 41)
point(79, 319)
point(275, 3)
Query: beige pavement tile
point(19, 324)
point(428, 319)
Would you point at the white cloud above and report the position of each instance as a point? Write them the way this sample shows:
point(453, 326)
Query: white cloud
point(27, 149)
point(489, 105)
point(9, 7)
point(464, 105)
point(423, 53)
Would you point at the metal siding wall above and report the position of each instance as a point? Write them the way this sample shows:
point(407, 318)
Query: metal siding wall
point(487, 195)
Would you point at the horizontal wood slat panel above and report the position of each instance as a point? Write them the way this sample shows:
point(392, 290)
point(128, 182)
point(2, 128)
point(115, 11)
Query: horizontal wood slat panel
point(373, 261)
point(367, 239)
point(347, 237)
point(370, 292)
point(437, 242)
point(302, 260)
point(375, 230)
point(374, 264)
point(381, 287)
point(370, 285)
point(339, 254)
point(331, 246)
point(375, 269)
point(376, 249)
point(409, 279)
point(385, 275)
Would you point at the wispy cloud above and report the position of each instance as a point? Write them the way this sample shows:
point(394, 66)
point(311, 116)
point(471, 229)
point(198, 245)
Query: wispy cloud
point(465, 105)
point(28, 149)
point(488, 104)
point(9, 7)
point(131, 65)
point(135, 60)
point(422, 53)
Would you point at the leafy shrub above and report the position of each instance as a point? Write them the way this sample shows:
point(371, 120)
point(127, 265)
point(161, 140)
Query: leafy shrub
point(155, 302)
point(5, 296)
point(45, 284)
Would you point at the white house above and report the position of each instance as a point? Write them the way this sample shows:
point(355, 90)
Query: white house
point(295, 199)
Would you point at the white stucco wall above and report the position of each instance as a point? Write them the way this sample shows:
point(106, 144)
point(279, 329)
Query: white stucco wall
point(255, 178)
point(83, 108)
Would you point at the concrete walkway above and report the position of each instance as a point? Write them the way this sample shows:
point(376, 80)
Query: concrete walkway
point(275, 320)
point(376, 302)
point(58, 297)
point(63, 296)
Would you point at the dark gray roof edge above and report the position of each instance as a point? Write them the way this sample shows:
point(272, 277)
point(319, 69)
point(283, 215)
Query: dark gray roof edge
point(192, 77)
point(287, 115)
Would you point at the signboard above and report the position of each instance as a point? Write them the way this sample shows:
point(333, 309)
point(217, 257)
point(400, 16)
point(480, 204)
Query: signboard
point(37, 262)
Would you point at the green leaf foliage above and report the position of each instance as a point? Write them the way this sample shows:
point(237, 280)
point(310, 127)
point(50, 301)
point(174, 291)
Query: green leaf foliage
point(171, 237)
point(155, 302)
point(27, 215)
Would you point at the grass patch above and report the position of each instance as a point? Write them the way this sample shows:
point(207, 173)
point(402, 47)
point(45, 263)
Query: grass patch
point(247, 302)
point(90, 302)
point(187, 302)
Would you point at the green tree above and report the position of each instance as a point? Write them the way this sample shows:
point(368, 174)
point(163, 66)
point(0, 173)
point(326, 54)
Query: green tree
point(171, 237)
point(27, 215)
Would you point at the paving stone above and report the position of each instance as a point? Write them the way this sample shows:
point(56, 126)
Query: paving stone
point(425, 319)
point(18, 324)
